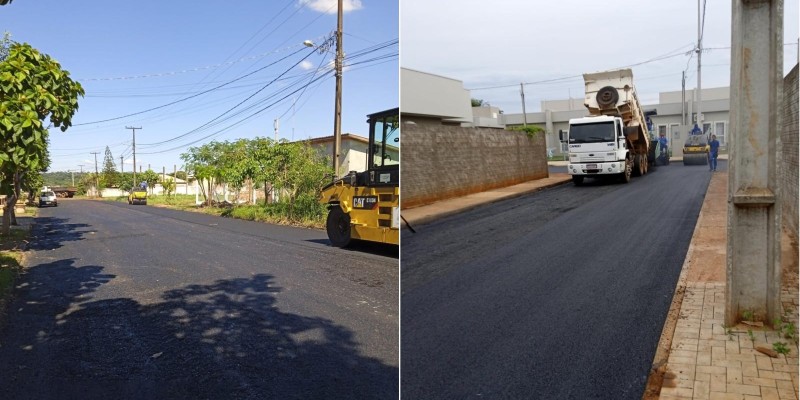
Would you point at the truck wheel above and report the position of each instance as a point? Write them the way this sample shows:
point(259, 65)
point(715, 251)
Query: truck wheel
point(637, 165)
point(644, 164)
point(144, 202)
point(607, 96)
point(338, 227)
point(577, 180)
point(626, 176)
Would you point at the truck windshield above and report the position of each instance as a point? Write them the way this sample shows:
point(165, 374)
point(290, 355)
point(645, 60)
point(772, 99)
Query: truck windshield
point(592, 133)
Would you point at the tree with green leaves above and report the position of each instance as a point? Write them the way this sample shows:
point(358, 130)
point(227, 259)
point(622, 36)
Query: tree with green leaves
point(151, 177)
point(169, 186)
point(204, 162)
point(110, 177)
point(236, 165)
point(262, 152)
point(33, 87)
point(299, 170)
point(125, 181)
point(479, 103)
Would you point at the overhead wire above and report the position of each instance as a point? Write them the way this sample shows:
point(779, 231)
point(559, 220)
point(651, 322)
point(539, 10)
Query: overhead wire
point(189, 97)
point(235, 106)
point(319, 66)
point(235, 123)
point(654, 59)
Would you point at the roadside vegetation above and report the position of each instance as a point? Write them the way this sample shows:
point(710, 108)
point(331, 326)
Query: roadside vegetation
point(33, 88)
point(287, 177)
point(11, 258)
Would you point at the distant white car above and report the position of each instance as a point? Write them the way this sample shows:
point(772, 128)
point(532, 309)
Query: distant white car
point(48, 198)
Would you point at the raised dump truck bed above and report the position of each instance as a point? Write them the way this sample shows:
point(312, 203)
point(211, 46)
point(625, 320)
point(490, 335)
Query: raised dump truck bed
point(613, 140)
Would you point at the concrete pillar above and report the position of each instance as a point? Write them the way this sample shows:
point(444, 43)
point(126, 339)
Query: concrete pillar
point(550, 139)
point(754, 220)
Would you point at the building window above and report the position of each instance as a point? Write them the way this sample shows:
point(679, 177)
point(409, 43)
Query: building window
point(707, 128)
point(676, 133)
point(719, 130)
point(662, 130)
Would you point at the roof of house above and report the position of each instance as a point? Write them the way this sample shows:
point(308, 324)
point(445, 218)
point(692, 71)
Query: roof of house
point(345, 136)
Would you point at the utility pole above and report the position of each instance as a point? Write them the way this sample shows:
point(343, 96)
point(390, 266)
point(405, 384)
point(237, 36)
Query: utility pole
point(134, 151)
point(337, 118)
point(96, 174)
point(524, 116)
point(699, 56)
point(683, 98)
point(81, 165)
point(754, 193)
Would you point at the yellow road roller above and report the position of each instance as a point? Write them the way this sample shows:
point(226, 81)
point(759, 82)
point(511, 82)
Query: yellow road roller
point(366, 205)
point(695, 150)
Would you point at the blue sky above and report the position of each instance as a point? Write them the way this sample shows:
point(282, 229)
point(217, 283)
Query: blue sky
point(134, 56)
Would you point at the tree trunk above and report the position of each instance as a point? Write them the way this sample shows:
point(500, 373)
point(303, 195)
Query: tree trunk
point(7, 210)
point(15, 197)
point(211, 191)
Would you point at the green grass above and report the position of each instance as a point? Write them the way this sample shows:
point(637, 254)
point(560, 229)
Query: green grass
point(9, 270)
point(308, 215)
point(307, 210)
point(11, 257)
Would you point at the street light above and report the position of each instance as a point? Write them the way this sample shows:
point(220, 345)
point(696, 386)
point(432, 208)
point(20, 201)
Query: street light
point(308, 43)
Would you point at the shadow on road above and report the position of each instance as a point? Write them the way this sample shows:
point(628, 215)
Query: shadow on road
point(381, 249)
point(227, 339)
point(50, 233)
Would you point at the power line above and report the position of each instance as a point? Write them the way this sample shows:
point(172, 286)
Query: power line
point(184, 71)
point(657, 58)
point(237, 122)
point(189, 97)
point(232, 108)
point(302, 89)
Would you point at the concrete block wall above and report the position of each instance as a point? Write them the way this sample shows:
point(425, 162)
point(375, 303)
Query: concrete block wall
point(440, 162)
point(789, 148)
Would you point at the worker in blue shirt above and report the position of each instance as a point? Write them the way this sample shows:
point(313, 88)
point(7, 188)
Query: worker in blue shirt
point(713, 146)
point(662, 142)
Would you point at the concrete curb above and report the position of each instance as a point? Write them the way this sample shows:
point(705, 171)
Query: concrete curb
point(427, 218)
point(656, 377)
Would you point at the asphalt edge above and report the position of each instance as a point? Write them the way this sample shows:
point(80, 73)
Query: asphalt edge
point(430, 218)
point(655, 378)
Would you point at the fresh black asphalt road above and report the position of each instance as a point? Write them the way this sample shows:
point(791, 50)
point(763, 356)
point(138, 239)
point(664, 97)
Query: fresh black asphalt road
point(138, 302)
point(560, 294)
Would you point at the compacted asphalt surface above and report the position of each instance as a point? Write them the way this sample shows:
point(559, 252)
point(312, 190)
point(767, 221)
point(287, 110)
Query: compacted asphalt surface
point(553, 295)
point(138, 302)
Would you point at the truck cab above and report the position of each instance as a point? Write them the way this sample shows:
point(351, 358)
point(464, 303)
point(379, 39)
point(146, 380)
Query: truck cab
point(597, 146)
point(614, 139)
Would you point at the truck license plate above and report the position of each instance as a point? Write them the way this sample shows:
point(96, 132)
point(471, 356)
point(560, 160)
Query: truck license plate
point(591, 166)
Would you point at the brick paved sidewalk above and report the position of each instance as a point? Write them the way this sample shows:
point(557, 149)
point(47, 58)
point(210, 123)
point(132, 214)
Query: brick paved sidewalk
point(706, 359)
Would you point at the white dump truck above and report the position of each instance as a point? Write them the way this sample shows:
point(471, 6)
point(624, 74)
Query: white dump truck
point(613, 140)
